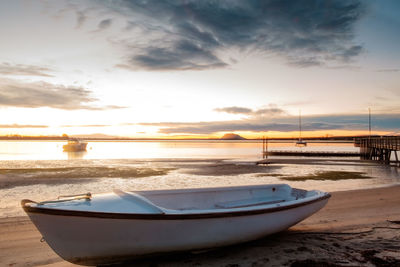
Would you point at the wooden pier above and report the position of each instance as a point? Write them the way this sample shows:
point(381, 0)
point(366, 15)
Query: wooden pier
point(311, 153)
point(379, 148)
point(266, 153)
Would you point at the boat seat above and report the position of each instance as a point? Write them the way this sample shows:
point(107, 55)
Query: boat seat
point(248, 202)
point(140, 203)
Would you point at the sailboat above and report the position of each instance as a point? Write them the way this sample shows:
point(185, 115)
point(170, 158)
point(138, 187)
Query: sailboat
point(300, 142)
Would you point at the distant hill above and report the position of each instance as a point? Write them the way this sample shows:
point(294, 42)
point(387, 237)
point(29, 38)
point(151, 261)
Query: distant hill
point(232, 136)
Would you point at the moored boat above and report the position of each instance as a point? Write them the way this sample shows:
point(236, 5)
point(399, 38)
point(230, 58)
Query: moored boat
point(75, 145)
point(300, 142)
point(110, 228)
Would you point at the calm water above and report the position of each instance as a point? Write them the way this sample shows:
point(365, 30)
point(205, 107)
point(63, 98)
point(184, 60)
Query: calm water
point(52, 150)
point(41, 170)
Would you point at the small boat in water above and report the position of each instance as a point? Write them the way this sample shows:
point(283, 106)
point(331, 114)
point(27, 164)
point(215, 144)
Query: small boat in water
point(75, 145)
point(300, 142)
point(114, 227)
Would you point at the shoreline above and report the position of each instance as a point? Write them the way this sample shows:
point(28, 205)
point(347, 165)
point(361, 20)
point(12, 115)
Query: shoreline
point(365, 212)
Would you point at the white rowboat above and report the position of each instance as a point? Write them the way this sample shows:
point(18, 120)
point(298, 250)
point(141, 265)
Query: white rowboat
point(110, 228)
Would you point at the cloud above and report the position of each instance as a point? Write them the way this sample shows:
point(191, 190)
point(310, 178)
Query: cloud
point(360, 121)
point(182, 55)
point(15, 126)
point(24, 70)
point(351, 52)
point(388, 70)
point(389, 122)
point(81, 10)
point(234, 110)
point(304, 62)
point(15, 93)
point(88, 125)
point(104, 24)
point(181, 35)
point(224, 126)
point(80, 18)
point(271, 111)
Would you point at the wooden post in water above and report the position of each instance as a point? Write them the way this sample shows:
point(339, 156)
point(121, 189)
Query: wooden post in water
point(265, 147)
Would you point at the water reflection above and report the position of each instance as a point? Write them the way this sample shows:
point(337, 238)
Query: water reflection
point(76, 155)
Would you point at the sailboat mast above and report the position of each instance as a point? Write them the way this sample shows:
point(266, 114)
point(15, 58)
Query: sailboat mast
point(369, 121)
point(300, 123)
point(300, 142)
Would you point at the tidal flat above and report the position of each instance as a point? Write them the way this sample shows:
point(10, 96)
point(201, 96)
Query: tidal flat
point(14, 177)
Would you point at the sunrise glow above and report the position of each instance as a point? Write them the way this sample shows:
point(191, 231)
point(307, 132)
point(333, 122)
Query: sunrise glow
point(118, 69)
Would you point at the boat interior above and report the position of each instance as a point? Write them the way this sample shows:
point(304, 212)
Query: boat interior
point(221, 198)
point(182, 200)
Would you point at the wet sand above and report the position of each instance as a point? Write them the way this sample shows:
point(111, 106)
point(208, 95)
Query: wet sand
point(356, 228)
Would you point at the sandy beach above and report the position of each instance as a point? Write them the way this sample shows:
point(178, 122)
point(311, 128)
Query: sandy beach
point(356, 228)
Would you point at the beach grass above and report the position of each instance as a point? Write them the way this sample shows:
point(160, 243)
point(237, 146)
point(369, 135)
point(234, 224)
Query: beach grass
point(328, 175)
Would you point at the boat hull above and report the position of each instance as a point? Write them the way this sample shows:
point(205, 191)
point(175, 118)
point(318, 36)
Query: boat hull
point(104, 238)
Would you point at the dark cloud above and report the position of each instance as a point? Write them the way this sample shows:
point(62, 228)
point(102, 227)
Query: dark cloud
point(24, 70)
point(178, 35)
point(351, 52)
point(181, 55)
point(284, 124)
point(104, 24)
point(42, 94)
point(17, 126)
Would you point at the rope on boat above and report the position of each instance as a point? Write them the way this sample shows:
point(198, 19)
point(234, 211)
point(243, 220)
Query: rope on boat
point(87, 196)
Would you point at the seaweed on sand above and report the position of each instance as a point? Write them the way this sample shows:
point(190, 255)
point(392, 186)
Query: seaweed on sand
point(328, 175)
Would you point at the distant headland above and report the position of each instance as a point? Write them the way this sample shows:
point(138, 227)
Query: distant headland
point(232, 136)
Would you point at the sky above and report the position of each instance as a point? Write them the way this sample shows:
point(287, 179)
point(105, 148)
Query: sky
point(176, 69)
